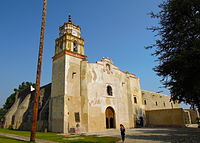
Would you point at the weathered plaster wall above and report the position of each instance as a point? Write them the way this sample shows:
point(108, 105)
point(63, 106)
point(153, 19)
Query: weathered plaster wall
point(23, 115)
point(187, 117)
point(72, 91)
point(11, 112)
point(157, 101)
point(56, 116)
point(193, 115)
point(84, 97)
point(65, 95)
point(138, 107)
point(165, 117)
point(19, 114)
point(124, 87)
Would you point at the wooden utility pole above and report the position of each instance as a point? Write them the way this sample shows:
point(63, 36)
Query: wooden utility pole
point(38, 76)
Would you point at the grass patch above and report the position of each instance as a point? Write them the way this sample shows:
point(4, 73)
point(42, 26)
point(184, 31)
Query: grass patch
point(4, 139)
point(63, 139)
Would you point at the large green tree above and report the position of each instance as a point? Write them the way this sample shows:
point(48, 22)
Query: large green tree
point(178, 49)
point(11, 99)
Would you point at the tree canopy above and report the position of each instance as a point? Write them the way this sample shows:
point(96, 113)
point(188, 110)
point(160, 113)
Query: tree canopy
point(178, 49)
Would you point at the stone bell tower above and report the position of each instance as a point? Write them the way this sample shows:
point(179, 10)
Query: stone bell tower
point(64, 108)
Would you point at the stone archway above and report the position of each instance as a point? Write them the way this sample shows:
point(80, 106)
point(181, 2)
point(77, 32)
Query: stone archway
point(110, 118)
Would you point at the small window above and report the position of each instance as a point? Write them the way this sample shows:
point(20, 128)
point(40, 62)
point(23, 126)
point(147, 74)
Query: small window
point(172, 105)
point(73, 75)
point(164, 104)
point(108, 67)
point(145, 102)
point(135, 100)
point(75, 46)
point(77, 117)
point(60, 44)
point(156, 103)
point(109, 90)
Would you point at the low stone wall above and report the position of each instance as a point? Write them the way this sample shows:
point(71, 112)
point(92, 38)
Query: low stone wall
point(193, 115)
point(165, 118)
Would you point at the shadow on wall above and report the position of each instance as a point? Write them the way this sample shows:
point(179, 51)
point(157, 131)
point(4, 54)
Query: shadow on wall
point(43, 110)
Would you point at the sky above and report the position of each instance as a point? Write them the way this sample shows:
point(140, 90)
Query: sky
point(116, 29)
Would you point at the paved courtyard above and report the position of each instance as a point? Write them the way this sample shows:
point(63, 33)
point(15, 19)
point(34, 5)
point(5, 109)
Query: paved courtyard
point(156, 135)
point(142, 135)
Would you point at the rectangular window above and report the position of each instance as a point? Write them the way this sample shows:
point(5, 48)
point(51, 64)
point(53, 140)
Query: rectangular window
point(135, 100)
point(77, 117)
point(156, 103)
point(164, 104)
point(145, 102)
point(73, 75)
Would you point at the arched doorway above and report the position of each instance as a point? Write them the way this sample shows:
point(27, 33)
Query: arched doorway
point(110, 118)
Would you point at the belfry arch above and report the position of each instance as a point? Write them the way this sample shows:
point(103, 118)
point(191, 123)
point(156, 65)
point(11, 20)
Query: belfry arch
point(110, 118)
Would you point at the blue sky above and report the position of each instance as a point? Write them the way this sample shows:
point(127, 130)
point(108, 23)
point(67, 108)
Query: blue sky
point(111, 28)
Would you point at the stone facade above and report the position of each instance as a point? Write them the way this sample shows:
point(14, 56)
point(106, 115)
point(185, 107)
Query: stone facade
point(153, 101)
point(101, 77)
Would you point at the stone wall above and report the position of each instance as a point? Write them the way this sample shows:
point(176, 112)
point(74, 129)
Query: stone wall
point(42, 108)
point(192, 116)
point(20, 114)
point(152, 101)
point(165, 118)
point(65, 94)
point(125, 87)
point(9, 115)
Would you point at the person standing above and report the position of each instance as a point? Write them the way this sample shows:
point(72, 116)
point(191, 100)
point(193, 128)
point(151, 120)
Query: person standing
point(122, 130)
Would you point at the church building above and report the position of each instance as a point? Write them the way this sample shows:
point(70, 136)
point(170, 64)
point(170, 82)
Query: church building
point(90, 96)
point(84, 96)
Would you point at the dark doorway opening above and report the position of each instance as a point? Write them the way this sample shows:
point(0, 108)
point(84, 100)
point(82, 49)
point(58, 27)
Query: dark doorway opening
point(110, 118)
